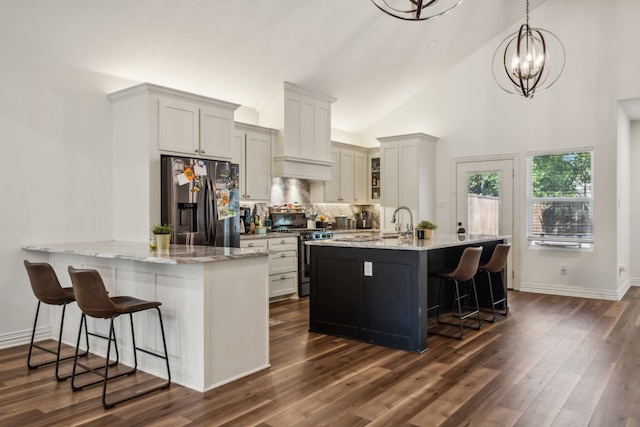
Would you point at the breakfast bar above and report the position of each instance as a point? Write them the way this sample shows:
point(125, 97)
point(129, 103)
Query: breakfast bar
point(378, 289)
point(214, 305)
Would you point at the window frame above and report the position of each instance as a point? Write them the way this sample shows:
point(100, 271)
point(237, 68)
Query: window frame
point(557, 241)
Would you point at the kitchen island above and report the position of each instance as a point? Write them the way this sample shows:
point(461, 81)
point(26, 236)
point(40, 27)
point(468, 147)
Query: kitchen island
point(214, 305)
point(377, 290)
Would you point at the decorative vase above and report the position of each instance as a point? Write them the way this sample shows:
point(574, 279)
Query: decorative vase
point(420, 233)
point(163, 241)
point(428, 233)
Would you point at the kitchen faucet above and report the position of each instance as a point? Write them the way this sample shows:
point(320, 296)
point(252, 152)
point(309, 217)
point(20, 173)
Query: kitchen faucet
point(393, 219)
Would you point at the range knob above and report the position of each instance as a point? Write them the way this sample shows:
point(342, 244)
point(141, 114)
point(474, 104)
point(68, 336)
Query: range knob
point(307, 237)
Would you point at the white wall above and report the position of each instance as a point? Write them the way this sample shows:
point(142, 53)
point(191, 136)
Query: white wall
point(634, 202)
point(624, 197)
point(472, 116)
point(55, 134)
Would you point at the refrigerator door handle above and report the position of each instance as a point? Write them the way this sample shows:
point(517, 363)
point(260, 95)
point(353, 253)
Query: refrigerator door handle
point(210, 213)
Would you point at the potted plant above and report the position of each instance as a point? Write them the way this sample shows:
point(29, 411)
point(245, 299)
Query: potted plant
point(163, 235)
point(424, 229)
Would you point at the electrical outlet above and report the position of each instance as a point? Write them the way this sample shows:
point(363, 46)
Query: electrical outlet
point(563, 269)
point(368, 268)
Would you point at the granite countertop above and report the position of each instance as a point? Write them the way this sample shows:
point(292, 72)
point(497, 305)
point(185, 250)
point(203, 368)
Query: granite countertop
point(439, 241)
point(368, 231)
point(267, 236)
point(134, 251)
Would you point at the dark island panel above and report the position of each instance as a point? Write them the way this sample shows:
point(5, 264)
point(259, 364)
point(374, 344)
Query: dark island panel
point(384, 308)
point(390, 307)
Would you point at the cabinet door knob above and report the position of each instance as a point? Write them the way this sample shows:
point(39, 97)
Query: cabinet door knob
point(196, 150)
point(248, 196)
point(202, 151)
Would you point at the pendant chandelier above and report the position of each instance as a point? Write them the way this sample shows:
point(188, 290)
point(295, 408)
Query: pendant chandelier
point(522, 64)
point(416, 10)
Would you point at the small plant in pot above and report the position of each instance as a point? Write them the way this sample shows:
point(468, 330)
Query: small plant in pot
point(424, 229)
point(163, 235)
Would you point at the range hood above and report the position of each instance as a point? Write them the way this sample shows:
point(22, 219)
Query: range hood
point(303, 142)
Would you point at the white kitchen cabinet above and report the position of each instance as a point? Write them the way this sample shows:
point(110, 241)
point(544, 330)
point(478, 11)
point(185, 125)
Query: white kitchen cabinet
point(283, 266)
point(258, 244)
point(360, 174)
point(202, 129)
point(374, 176)
point(407, 178)
point(348, 182)
point(147, 121)
point(303, 141)
point(283, 262)
point(252, 150)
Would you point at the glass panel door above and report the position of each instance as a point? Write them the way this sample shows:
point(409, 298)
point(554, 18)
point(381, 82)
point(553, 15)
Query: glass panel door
point(484, 201)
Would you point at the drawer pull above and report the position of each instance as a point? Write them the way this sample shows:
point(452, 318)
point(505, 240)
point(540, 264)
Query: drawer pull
point(283, 278)
point(283, 242)
point(283, 255)
point(250, 245)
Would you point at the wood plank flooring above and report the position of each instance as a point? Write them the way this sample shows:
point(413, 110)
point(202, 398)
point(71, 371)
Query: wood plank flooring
point(553, 361)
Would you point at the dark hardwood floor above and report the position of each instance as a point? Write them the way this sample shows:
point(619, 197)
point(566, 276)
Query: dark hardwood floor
point(554, 361)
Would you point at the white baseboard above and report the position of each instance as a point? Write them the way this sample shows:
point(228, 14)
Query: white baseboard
point(635, 281)
point(24, 337)
point(571, 291)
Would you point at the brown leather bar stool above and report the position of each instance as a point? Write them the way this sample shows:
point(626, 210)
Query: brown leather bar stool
point(496, 265)
point(94, 301)
point(464, 273)
point(47, 289)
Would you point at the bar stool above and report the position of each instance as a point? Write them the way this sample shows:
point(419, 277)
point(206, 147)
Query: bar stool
point(94, 301)
point(47, 289)
point(496, 265)
point(464, 272)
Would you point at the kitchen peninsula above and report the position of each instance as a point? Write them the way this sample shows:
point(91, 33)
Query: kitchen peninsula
point(214, 305)
point(377, 290)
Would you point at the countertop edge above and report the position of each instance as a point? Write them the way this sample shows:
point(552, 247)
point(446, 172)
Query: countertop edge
point(440, 242)
point(131, 251)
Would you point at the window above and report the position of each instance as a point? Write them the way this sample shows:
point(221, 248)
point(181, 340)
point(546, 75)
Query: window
point(559, 198)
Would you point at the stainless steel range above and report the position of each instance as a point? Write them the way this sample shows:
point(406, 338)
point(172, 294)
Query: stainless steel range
point(296, 223)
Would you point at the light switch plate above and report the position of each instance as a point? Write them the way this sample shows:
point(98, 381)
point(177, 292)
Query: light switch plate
point(368, 268)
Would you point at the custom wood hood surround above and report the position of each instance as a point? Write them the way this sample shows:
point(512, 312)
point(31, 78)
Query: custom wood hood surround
point(303, 142)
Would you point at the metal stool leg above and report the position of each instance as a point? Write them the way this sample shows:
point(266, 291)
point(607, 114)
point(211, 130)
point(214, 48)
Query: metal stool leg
point(167, 384)
point(57, 360)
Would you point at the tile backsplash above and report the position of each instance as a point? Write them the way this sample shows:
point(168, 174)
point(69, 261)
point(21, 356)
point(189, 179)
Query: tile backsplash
point(297, 191)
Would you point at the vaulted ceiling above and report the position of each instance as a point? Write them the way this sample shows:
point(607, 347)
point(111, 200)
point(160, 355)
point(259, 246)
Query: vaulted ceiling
point(240, 50)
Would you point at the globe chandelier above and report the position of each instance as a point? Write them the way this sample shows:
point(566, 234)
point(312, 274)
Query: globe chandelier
point(416, 10)
point(522, 63)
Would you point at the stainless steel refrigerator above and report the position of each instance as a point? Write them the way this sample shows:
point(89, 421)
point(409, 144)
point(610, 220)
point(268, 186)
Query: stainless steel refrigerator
point(201, 200)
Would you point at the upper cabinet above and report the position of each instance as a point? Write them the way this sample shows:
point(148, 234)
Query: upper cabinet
point(374, 177)
point(407, 178)
point(252, 150)
point(148, 121)
point(195, 126)
point(360, 172)
point(348, 183)
point(302, 144)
